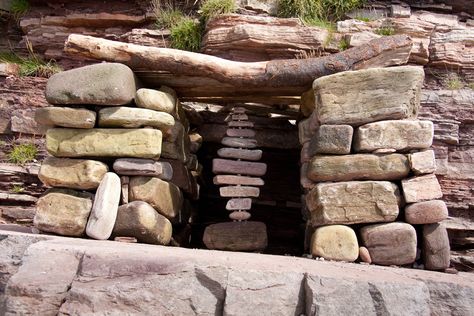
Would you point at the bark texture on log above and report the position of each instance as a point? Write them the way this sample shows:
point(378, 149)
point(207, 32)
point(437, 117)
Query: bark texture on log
point(221, 77)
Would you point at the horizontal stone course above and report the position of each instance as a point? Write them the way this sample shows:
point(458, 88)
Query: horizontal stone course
point(65, 117)
point(129, 117)
point(143, 167)
point(331, 139)
point(238, 153)
point(225, 166)
point(421, 188)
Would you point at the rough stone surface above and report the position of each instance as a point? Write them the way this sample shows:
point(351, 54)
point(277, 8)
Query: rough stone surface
point(240, 124)
point(239, 216)
point(104, 211)
point(236, 236)
point(436, 250)
point(236, 153)
point(166, 198)
point(143, 167)
point(422, 162)
point(358, 167)
point(239, 204)
point(155, 100)
point(245, 132)
point(139, 143)
point(427, 212)
point(364, 96)
point(421, 188)
point(335, 242)
point(140, 220)
point(399, 135)
point(64, 212)
point(237, 180)
point(331, 139)
point(353, 202)
point(390, 244)
point(101, 84)
point(239, 191)
point(133, 118)
point(239, 142)
point(72, 173)
point(65, 117)
point(225, 166)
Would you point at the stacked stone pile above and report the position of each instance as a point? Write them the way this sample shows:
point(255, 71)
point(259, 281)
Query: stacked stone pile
point(120, 157)
point(238, 173)
point(367, 170)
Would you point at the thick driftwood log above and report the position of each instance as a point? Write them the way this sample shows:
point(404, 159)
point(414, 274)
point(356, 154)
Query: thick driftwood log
point(199, 75)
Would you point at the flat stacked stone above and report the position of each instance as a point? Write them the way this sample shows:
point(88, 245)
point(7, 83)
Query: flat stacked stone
point(239, 172)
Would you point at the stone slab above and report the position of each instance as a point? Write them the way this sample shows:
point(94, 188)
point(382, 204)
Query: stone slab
point(335, 242)
point(422, 162)
point(239, 191)
point(236, 236)
point(236, 204)
point(236, 153)
point(239, 117)
point(240, 132)
point(225, 166)
point(353, 202)
point(105, 84)
point(240, 124)
point(331, 139)
point(240, 216)
point(128, 117)
point(436, 250)
point(237, 180)
point(65, 117)
point(239, 142)
point(156, 100)
point(421, 188)
point(358, 167)
point(135, 143)
point(427, 212)
point(143, 167)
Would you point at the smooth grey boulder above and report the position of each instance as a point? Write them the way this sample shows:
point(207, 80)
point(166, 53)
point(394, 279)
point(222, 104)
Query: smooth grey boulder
point(105, 84)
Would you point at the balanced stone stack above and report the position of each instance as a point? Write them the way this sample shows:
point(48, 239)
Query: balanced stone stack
point(238, 172)
point(366, 160)
point(107, 140)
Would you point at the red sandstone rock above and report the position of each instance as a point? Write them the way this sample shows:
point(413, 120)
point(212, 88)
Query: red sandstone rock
point(238, 153)
point(244, 132)
point(426, 212)
point(421, 188)
point(239, 191)
point(237, 180)
point(240, 124)
point(239, 142)
point(364, 255)
point(238, 167)
point(239, 204)
point(239, 216)
point(436, 252)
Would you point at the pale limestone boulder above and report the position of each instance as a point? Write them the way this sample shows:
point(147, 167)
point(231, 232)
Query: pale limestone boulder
point(426, 212)
point(422, 162)
point(436, 250)
point(143, 167)
point(105, 84)
point(128, 117)
point(369, 95)
point(421, 188)
point(331, 139)
point(79, 174)
point(399, 135)
point(101, 142)
point(236, 236)
point(140, 220)
point(353, 202)
point(156, 100)
point(165, 197)
point(358, 167)
point(63, 212)
point(65, 117)
point(104, 211)
point(335, 242)
point(390, 244)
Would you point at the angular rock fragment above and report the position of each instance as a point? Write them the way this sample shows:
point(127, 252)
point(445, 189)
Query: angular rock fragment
point(427, 212)
point(422, 162)
point(156, 100)
point(421, 188)
point(72, 173)
point(239, 142)
point(100, 142)
point(358, 167)
point(225, 166)
point(236, 236)
point(65, 117)
point(236, 204)
point(398, 135)
point(436, 250)
point(353, 202)
point(140, 220)
point(335, 242)
point(129, 117)
point(236, 153)
point(239, 191)
point(237, 180)
point(63, 211)
point(390, 244)
point(104, 211)
point(331, 139)
point(143, 167)
point(105, 84)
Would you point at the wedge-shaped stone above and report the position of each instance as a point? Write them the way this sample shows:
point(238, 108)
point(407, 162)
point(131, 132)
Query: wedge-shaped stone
point(156, 100)
point(237, 180)
point(369, 95)
point(239, 117)
point(139, 143)
point(236, 204)
point(240, 124)
point(236, 236)
point(239, 142)
point(436, 250)
point(105, 84)
point(239, 216)
point(72, 173)
point(422, 162)
point(390, 244)
point(104, 211)
point(63, 212)
point(353, 202)
point(65, 117)
point(236, 153)
point(128, 117)
point(427, 212)
point(239, 191)
point(358, 167)
point(421, 188)
point(398, 135)
point(143, 167)
point(335, 242)
point(225, 166)
point(242, 132)
point(331, 139)
point(140, 220)
point(165, 197)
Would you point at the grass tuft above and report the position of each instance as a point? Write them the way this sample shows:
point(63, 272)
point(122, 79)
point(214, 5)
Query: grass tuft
point(23, 153)
point(385, 30)
point(17, 189)
point(18, 8)
point(166, 14)
point(212, 8)
point(470, 85)
point(186, 35)
point(343, 44)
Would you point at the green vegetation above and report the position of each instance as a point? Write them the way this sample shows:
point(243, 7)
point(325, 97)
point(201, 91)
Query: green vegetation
point(313, 53)
point(363, 19)
point(22, 153)
point(343, 44)
point(186, 35)
point(17, 189)
point(386, 30)
point(470, 85)
point(212, 8)
point(454, 83)
point(18, 8)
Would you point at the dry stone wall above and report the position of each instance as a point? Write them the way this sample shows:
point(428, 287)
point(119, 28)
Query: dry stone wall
point(368, 171)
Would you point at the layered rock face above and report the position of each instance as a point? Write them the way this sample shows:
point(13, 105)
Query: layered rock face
point(360, 182)
point(107, 166)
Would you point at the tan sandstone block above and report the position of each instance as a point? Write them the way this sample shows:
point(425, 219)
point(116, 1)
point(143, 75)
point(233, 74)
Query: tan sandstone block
point(335, 242)
point(129, 117)
point(236, 236)
point(156, 100)
point(421, 188)
point(65, 117)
